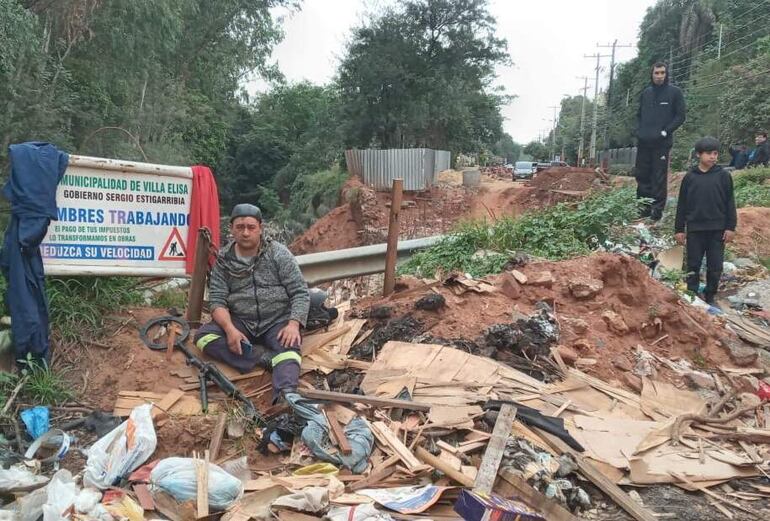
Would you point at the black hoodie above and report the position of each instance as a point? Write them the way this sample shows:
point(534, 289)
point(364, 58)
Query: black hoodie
point(661, 107)
point(706, 201)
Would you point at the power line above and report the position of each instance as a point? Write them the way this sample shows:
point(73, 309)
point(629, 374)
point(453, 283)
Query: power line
point(740, 16)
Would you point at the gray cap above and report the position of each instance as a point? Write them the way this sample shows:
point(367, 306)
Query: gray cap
point(246, 210)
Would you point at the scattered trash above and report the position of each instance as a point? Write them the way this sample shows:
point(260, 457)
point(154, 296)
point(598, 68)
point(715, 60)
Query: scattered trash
point(20, 479)
point(36, 420)
point(178, 478)
point(121, 451)
point(473, 507)
point(364, 512)
point(53, 439)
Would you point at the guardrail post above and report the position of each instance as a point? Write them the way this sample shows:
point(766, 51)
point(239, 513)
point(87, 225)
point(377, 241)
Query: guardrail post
point(393, 229)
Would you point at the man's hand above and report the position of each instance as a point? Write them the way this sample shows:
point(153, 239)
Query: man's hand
point(234, 338)
point(728, 236)
point(289, 335)
point(663, 133)
point(680, 237)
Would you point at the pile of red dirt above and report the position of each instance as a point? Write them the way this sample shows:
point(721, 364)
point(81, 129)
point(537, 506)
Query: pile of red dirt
point(564, 178)
point(751, 237)
point(629, 309)
point(363, 217)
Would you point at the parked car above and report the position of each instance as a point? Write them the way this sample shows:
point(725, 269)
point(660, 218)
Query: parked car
point(523, 169)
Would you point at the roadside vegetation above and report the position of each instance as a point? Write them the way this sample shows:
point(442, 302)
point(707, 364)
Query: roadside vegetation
point(752, 187)
point(559, 232)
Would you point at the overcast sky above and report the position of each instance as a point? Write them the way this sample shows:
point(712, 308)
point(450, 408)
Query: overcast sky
point(546, 41)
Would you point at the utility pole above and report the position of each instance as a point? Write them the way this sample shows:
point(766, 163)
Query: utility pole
point(581, 146)
point(609, 90)
point(555, 123)
point(592, 156)
point(719, 48)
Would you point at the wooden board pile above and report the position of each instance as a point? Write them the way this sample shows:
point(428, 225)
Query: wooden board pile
point(423, 403)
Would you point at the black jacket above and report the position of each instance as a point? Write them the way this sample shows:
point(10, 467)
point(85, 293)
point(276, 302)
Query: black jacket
point(660, 108)
point(760, 155)
point(706, 201)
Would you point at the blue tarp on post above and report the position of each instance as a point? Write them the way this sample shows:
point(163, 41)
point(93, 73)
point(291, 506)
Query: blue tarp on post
point(36, 169)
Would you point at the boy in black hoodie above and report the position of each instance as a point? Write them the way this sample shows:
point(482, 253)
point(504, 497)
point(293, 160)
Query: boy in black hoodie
point(706, 212)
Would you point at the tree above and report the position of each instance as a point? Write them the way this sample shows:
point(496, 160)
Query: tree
point(506, 147)
point(537, 151)
point(419, 75)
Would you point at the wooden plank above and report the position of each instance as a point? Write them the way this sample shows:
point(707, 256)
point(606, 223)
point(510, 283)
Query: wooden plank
point(202, 480)
point(143, 495)
point(162, 407)
point(316, 394)
point(347, 341)
point(441, 465)
point(313, 342)
point(379, 473)
point(196, 385)
point(171, 332)
point(512, 485)
point(588, 470)
point(714, 495)
point(387, 437)
point(339, 433)
point(216, 437)
point(485, 479)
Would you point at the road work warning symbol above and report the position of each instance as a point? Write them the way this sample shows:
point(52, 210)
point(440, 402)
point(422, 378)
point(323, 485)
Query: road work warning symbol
point(174, 249)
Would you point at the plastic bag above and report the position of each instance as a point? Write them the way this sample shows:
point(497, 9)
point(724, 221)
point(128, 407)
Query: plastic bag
point(122, 450)
point(62, 491)
point(36, 420)
point(177, 477)
point(238, 468)
point(19, 477)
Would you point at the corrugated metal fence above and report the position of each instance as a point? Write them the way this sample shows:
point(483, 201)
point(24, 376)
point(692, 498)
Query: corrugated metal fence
point(418, 167)
point(619, 160)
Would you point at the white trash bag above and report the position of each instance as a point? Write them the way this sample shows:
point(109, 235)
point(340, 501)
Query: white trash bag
point(177, 477)
point(122, 450)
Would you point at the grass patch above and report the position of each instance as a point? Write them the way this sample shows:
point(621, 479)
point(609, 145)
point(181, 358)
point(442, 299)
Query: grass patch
point(78, 305)
point(559, 232)
point(752, 187)
point(42, 385)
point(170, 298)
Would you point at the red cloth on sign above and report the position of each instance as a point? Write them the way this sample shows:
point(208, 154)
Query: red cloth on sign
point(204, 212)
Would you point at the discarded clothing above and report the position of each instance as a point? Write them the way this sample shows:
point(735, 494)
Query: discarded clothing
point(316, 436)
point(204, 212)
point(36, 169)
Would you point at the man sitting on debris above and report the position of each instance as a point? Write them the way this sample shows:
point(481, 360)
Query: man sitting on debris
point(257, 295)
point(706, 217)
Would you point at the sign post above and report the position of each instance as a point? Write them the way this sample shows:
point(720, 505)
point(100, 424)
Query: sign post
point(120, 218)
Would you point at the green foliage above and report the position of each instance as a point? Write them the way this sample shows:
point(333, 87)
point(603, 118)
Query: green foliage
point(78, 305)
point(43, 385)
point(752, 187)
point(558, 232)
point(419, 74)
point(506, 147)
point(536, 150)
point(170, 298)
point(315, 195)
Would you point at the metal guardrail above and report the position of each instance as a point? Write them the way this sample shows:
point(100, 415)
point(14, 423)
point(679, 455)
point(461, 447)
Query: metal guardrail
point(356, 262)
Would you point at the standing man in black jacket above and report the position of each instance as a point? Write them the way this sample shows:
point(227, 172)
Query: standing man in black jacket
point(661, 112)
